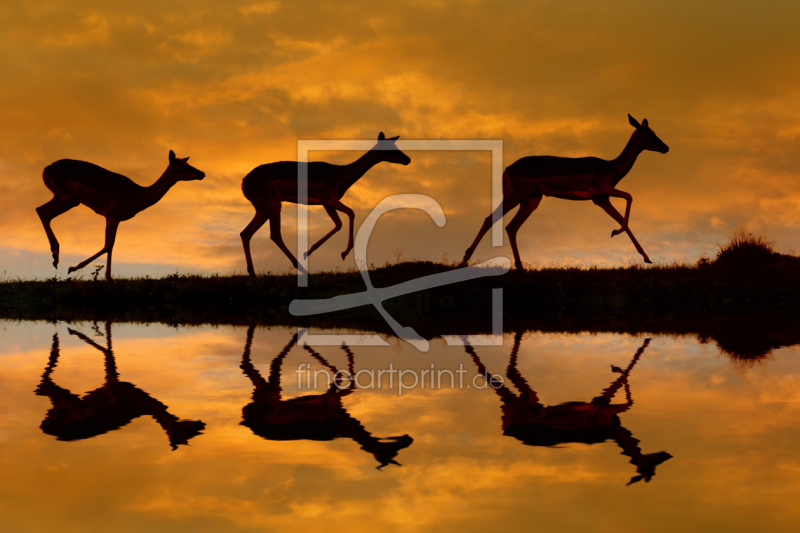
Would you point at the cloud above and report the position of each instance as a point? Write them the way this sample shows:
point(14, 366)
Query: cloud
point(94, 29)
point(260, 8)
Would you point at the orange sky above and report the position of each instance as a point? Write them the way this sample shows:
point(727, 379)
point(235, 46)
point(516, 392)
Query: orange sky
point(237, 84)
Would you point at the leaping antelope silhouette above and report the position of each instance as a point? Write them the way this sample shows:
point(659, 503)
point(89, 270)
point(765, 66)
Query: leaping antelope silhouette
point(267, 186)
point(108, 194)
point(526, 181)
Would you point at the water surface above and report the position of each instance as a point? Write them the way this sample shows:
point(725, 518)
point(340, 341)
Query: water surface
point(216, 429)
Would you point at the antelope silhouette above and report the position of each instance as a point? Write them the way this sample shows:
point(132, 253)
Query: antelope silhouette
point(107, 408)
point(108, 194)
point(526, 419)
point(527, 180)
point(267, 186)
point(319, 417)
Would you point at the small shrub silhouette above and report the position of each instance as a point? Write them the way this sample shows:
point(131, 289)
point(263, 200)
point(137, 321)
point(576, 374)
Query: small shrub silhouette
point(96, 273)
point(745, 250)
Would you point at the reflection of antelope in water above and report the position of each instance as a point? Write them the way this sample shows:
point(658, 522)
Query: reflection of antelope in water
point(527, 420)
point(109, 407)
point(318, 417)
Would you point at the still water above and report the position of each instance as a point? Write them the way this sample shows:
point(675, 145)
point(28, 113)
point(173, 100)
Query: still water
point(224, 429)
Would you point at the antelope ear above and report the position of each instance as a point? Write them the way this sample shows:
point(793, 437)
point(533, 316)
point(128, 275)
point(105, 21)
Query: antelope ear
point(171, 156)
point(381, 136)
point(644, 123)
point(393, 138)
point(633, 122)
point(185, 159)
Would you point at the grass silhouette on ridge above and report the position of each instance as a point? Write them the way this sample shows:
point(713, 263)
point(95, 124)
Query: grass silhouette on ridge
point(746, 250)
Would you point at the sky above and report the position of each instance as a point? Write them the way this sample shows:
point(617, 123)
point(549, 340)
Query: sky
point(236, 84)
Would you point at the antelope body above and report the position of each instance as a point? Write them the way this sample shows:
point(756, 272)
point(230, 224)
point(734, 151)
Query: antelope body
point(107, 193)
point(529, 179)
point(267, 186)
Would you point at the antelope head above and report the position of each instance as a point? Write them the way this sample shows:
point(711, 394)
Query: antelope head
point(387, 150)
point(183, 171)
point(646, 138)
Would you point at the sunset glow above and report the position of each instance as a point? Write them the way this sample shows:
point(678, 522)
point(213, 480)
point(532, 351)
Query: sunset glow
point(236, 84)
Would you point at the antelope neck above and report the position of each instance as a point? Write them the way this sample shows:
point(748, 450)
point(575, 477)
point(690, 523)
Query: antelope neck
point(353, 172)
point(623, 163)
point(156, 191)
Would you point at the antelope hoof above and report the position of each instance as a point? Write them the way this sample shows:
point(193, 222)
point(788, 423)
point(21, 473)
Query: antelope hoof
point(70, 270)
point(306, 254)
point(647, 260)
point(344, 254)
point(519, 266)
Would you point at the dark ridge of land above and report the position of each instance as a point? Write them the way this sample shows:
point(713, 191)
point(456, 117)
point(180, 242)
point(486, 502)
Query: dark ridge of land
point(749, 309)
